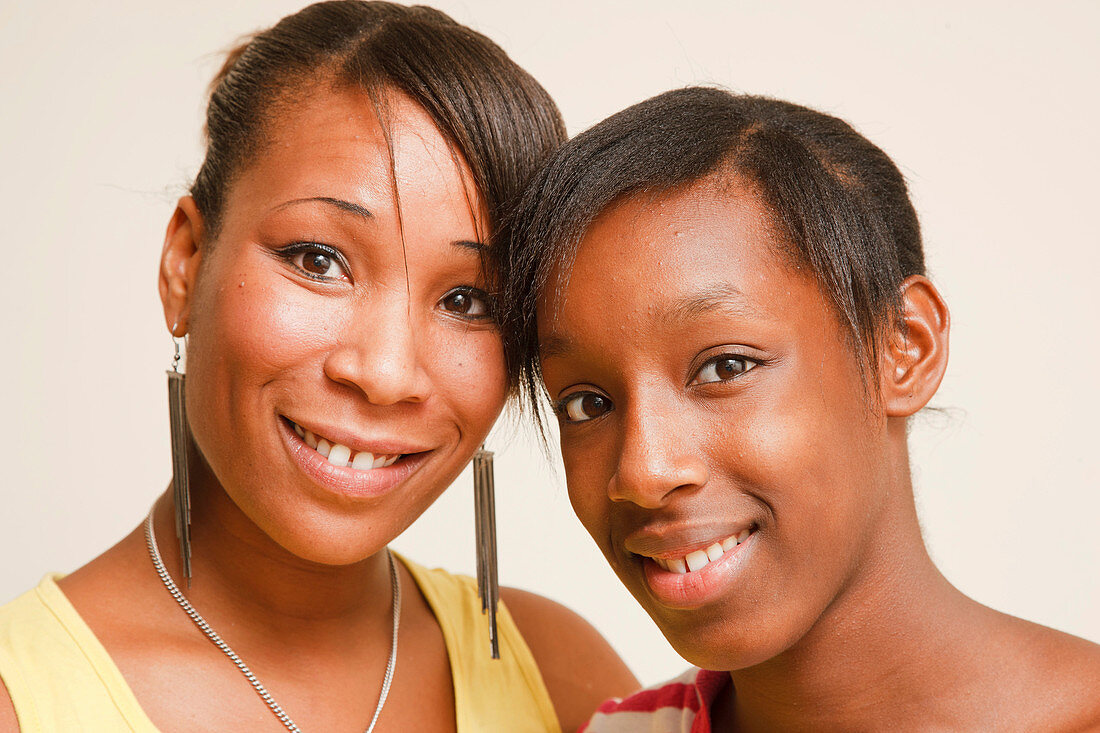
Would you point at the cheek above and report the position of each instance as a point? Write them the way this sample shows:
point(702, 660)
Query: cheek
point(807, 455)
point(247, 325)
point(784, 458)
point(467, 369)
point(586, 480)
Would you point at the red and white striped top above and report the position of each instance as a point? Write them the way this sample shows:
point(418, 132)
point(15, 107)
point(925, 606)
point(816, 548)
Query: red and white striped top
point(681, 705)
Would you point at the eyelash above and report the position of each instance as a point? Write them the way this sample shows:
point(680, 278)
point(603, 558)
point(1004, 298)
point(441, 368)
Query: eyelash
point(750, 364)
point(291, 252)
point(562, 406)
point(490, 304)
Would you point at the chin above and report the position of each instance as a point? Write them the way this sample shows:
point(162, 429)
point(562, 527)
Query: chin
point(723, 640)
point(327, 538)
point(726, 657)
point(332, 550)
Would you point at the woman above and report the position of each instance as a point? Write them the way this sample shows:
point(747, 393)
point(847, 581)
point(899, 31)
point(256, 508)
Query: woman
point(343, 365)
point(724, 297)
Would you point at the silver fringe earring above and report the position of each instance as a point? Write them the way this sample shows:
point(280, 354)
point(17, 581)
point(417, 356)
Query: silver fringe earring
point(181, 490)
point(485, 529)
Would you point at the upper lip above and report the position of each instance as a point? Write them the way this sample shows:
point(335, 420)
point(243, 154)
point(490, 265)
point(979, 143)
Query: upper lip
point(359, 442)
point(678, 540)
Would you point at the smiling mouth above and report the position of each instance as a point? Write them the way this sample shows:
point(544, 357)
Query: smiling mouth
point(341, 456)
point(695, 561)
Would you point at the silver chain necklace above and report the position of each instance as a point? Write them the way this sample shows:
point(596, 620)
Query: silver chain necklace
point(204, 627)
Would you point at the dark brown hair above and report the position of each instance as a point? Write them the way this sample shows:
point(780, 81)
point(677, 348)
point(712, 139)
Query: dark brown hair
point(840, 201)
point(495, 115)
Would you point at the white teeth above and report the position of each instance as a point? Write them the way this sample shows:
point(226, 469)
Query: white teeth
point(339, 455)
point(696, 560)
point(699, 559)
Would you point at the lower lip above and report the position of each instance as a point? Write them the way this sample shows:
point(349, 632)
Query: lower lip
point(347, 481)
point(696, 589)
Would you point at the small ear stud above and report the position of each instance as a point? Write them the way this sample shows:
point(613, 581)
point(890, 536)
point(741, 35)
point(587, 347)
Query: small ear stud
point(903, 351)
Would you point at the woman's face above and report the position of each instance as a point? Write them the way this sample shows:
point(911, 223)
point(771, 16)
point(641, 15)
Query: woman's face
point(718, 440)
point(342, 362)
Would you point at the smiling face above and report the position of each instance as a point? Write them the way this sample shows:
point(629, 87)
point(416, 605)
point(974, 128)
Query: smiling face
point(719, 443)
point(342, 362)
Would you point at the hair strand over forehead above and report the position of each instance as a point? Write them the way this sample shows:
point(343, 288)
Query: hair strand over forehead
point(499, 121)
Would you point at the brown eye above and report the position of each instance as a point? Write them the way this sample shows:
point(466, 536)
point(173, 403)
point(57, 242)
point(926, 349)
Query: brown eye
point(468, 302)
point(318, 263)
point(723, 368)
point(584, 406)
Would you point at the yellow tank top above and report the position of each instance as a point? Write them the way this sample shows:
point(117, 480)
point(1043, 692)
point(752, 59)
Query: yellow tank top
point(61, 679)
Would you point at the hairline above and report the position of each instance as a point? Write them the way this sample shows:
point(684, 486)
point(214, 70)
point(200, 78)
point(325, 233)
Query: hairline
point(719, 180)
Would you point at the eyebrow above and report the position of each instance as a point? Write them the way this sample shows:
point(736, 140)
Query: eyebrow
point(723, 296)
point(479, 247)
point(554, 345)
point(354, 208)
point(349, 206)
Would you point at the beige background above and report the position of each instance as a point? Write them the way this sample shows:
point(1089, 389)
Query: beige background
point(989, 107)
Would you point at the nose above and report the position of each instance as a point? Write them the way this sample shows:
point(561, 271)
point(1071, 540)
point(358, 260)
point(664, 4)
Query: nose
point(658, 459)
point(377, 352)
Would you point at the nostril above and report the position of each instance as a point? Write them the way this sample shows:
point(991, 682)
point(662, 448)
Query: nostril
point(384, 373)
point(652, 481)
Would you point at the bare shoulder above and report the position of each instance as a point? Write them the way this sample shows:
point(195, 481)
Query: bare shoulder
point(1062, 678)
point(8, 721)
point(580, 668)
point(1072, 667)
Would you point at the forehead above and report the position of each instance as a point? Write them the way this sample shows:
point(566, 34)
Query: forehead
point(339, 143)
point(712, 238)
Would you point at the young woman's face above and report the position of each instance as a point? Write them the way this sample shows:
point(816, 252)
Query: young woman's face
point(342, 363)
point(707, 397)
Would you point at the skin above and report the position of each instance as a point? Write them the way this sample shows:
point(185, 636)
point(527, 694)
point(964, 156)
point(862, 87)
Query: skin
point(732, 400)
point(373, 346)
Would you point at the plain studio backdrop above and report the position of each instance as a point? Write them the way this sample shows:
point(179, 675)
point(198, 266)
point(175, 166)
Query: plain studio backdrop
point(989, 108)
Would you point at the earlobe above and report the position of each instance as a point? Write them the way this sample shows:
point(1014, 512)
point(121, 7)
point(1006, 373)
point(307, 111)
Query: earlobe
point(179, 264)
point(915, 359)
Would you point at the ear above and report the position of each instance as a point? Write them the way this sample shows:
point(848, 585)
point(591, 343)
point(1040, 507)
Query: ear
point(179, 264)
point(915, 359)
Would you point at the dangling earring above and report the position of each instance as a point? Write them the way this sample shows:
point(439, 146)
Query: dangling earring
point(485, 529)
point(181, 490)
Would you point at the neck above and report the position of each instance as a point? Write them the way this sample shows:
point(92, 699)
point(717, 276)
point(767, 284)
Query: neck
point(887, 648)
point(870, 655)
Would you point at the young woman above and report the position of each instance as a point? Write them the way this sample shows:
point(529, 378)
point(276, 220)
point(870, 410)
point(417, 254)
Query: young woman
point(343, 364)
point(724, 297)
